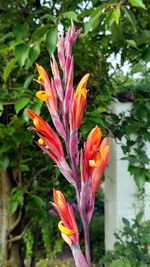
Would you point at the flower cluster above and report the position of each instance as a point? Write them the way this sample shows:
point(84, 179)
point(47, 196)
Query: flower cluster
point(84, 168)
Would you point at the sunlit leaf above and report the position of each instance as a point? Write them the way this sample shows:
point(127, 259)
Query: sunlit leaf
point(9, 68)
point(132, 43)
point(137, 3)
point(71, 15)
point(94, 20)
point(21, 103)
point(51, 39)
point(34, 52)
point(116, 15)
point(21, 53)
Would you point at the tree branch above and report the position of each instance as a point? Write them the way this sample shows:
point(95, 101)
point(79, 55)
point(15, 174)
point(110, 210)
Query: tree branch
point(18, 237)
point(15, 224)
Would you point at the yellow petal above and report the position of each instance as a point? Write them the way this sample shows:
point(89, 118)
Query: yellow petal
point(40, 71)
point(40, 141)
point(42, 95)
point(83, 82)
point(65, 230)
point(92, 163)
point(36, 122)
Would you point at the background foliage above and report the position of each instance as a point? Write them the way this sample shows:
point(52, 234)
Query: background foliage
point(115, 33)
point(132, 245)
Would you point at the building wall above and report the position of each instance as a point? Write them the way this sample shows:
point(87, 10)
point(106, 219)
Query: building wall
point(121, 195)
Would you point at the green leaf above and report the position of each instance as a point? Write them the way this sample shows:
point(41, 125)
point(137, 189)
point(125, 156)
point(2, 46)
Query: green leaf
point(21, 103)
point(139, 216)
point(51, 40)
point(28, 81)
point(139, 177)
point(36, 107)
point(21, 53)
point(5, 36)
point(49, 17)
point(146, 54)
point(137, 3)
point(130, 17)
point(71, 15)
point(125, 221)
point(20, 31)
point(1, 108)
point(94, 20)
point(116, 33)
point(34, 52)
point(4, 162)
point(10, 66)
point(132, 43)
point(24, 168)
point(39, 32)
point(119, 263)
point(13, 207)
point(116, 15)
point(140, 181)
point(38, 200)
point(16, 198)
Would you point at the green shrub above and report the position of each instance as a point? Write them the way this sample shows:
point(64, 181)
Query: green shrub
point(132, 245)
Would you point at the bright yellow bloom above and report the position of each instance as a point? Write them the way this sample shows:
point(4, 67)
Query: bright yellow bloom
point(42, 95)
point(40, 141)
point(65, 230)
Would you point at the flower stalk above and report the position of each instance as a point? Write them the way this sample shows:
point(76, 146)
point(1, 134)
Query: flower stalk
point(82, 168)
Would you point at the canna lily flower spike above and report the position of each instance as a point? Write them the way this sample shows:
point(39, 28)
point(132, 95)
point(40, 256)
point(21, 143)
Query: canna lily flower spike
point(66, 107)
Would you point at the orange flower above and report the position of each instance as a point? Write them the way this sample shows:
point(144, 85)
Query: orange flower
point(78, 103)
point(49, 141)
point(95, 158)
point(67, 225)
point(49, 94)
point(92, 153)
point(98, 172)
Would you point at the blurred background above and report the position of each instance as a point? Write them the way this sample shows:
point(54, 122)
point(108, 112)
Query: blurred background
point(114, 47)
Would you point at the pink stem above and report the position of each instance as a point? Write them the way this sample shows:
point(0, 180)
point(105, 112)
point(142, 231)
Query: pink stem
point(86, 237)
